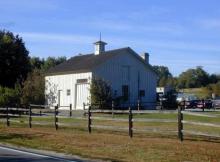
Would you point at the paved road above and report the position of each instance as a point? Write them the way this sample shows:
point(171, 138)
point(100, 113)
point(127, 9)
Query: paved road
point(14, 155)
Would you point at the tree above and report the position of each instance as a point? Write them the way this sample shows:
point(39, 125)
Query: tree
point(33, 88)
point(100, 92)
point(14, 60)
point(45, 64)
point(193, 78)
point(213, 79)
point(52, 61)
point(165, 77)
point(36, 63)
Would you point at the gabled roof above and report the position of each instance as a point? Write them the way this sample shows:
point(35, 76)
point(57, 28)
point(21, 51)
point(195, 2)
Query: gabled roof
point(85, 63)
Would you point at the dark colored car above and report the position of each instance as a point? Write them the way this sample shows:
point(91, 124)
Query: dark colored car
point(205, 104)
point(191, 104)
point(216, 103)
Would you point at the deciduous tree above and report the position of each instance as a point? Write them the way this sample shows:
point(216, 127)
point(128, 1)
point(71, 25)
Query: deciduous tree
point(14, 59)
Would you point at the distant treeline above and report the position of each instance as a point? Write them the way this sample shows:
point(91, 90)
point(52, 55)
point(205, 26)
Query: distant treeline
point(191, 78)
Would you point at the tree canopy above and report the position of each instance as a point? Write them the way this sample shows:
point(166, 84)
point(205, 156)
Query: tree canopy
point(100, 91)
point(14, 59)
point(193, 78)
point(33, 88)
point(45, 64)
point(165, 77)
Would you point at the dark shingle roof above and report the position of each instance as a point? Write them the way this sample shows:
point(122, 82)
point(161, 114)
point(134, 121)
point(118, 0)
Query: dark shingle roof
point(85, 63)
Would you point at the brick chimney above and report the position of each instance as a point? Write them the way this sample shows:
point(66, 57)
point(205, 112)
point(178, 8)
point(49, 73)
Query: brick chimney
point(145, 57)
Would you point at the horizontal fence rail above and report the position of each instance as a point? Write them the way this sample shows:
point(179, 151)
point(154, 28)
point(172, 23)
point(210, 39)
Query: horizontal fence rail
point(109, 127)
point(181, 122)
point(198, 114)
point(130, 117)
point(201, 123)
point(155, 120)
point(201, 133)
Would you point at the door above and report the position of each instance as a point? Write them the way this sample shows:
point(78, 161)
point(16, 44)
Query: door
point(82, 95)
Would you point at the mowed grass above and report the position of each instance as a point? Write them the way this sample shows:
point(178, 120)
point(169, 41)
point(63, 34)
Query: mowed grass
point(115, 145)
point(198, 92)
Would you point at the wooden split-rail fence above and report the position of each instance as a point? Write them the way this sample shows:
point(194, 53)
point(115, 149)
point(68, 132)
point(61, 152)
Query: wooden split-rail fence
point(34, 111)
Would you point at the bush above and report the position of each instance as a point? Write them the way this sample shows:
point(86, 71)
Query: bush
point(9, 96)
point(212, 88)
point(100, 92)
point(33, 89)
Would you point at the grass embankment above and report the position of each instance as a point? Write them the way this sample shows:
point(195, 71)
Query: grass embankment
point(200, 93)
point(116, 145)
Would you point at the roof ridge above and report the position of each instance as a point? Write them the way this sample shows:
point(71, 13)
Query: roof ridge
point(102, 53)
point(117, 49)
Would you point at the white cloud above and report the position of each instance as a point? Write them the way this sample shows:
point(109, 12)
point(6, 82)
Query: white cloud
point(119, 25)
point(54, 37)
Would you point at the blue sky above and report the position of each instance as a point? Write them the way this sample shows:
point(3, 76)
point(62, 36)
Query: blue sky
point(177, 34)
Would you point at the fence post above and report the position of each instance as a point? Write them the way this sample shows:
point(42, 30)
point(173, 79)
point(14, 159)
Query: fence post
point(40, 111)
point(184, 104)
point(70, 110)
point(203, 105)
point(19, 112)
point(84, 106)
point(89, 119)
point(180, 124)
point(130, 129)
point(7, 117)
point(113, 109)
point(30, 118)
point(161, 104)
point(138, 105)
point(55, 116)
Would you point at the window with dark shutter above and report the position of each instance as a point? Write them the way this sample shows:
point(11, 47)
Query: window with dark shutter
point(68, 92)
point(142, 93)
point(125, 92)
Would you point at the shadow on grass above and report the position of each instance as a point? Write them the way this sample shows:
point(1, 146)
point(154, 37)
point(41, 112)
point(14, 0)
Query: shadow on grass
point(202, 139)
point(4, 137)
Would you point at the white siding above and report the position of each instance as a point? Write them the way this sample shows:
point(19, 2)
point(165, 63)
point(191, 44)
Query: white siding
point(64, 82)
point(124, 69)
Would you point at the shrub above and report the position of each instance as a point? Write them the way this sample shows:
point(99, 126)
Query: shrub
point(9, 96)
point(100, 92)
point(33, 89)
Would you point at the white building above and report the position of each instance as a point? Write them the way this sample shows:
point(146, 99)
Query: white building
point(129, 75)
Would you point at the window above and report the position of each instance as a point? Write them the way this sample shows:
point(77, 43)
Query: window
point(125, 92)
point(115, 93)
point(142, 93)
point(126, 72)
point(68, 92)
point(81, 80)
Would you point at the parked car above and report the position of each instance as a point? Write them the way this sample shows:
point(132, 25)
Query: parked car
point(216, 102)
point(205, 104)
point(191, 104)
